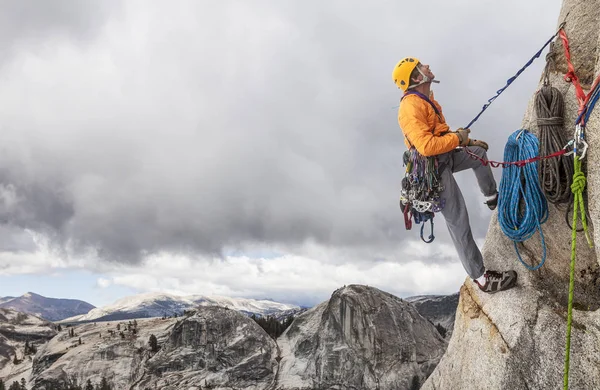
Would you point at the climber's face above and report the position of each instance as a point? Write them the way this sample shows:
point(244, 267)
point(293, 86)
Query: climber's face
point(426, 71)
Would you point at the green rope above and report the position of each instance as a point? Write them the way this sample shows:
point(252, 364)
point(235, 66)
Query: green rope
point(577, 187)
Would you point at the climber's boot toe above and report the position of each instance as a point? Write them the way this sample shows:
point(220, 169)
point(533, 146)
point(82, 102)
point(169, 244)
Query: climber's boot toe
point(498, 281)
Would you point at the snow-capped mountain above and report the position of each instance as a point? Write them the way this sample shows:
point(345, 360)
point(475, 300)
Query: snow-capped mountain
point(160, 304)
point(51, 309)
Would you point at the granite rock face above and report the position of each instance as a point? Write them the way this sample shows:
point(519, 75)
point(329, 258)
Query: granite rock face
point(214, 348)
point(516, 339)
point(16, 331)
point(439, 309)
point(362, 338)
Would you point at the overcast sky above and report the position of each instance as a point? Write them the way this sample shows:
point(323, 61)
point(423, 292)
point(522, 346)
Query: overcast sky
point(242, 148)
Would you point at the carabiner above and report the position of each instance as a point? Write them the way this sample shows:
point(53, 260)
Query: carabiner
point(431, 236)
point(584, 149)
point(570, 143)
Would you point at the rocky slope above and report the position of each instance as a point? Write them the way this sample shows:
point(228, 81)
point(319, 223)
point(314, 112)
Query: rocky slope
point(51, 309)
point(516, 339)
point(362, 338)
point(439, 309)
point(214, 347)
point(16, 330)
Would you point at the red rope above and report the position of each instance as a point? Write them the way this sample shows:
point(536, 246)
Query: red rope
point(521, 163)
point(570, 76)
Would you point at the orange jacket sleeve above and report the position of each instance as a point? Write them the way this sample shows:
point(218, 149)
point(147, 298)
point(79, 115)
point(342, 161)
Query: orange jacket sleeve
point(413, 120)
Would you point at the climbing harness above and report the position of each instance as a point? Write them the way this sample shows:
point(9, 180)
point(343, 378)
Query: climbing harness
point(520, 186)
point(420, 197)
point(421, 189)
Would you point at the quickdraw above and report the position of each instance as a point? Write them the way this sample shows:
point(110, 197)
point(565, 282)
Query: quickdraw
point(421, 189)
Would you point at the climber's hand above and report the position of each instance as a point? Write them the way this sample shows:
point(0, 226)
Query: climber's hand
point(463, 136)
point(474, 142)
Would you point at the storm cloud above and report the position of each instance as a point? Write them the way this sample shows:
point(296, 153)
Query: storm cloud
point(141, 127)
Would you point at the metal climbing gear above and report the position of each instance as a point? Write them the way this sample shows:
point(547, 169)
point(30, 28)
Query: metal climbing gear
point(421, 186)
point(421, 189)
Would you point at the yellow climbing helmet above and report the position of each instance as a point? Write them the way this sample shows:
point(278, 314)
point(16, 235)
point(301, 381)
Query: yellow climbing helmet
point(402, 71)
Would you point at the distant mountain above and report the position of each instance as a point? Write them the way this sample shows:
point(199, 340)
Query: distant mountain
point(439, 309)
point(52, 309)
point(5, 299)
point(159, 304)
point(361, 338)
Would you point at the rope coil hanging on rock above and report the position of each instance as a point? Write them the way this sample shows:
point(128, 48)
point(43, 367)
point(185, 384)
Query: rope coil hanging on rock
point(555, 174)
point(522, 206)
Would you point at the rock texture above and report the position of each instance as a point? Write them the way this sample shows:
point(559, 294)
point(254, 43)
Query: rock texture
point(516, 339)
point(214, 348)
point(439, 309)
point(362, 338)
point(16, 330)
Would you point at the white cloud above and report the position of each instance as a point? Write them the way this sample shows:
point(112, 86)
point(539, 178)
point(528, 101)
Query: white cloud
point(103, 283)
point(176, 130)
point(288, 278)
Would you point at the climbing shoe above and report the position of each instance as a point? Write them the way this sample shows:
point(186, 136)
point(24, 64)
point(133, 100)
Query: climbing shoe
point(497, 281)
point(493, 202)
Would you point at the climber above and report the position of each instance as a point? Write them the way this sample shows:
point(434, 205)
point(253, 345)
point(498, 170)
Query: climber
point(424, 128)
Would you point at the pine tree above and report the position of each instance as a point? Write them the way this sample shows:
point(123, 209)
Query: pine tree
point(153, 343)
point(104, 384)
point(441, 330)
point(88, 385)
point(23, 384)
point(2, 385)
point(15, 386)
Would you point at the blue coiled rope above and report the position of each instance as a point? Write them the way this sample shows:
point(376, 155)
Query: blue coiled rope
point(521, 186)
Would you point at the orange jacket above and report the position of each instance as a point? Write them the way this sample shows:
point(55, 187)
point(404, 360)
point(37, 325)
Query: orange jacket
point(423, 128)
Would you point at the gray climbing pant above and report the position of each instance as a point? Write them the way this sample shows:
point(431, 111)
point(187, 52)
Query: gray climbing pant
point(455, 210)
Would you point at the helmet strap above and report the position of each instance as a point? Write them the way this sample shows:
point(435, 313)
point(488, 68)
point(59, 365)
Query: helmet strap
point(425, 80)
